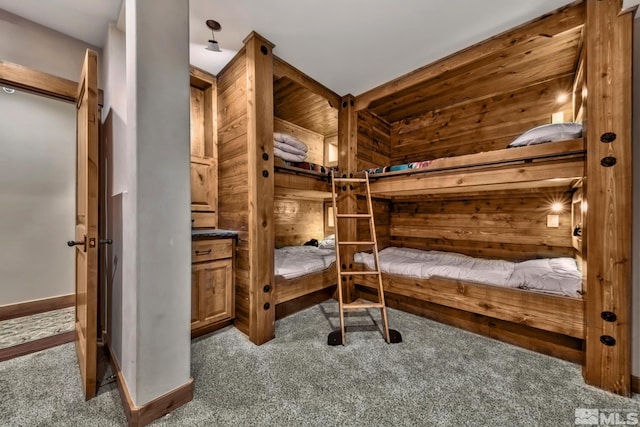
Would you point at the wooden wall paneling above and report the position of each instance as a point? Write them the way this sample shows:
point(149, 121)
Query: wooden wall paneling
point(233, 206)
point(482, 125)
point(314, 140)
point(507, 225)
point(283, 69)
point(297, 221)
point(260, 186)
point(347, 200)
point(300, 105)
point(374, 141)
point(382, 218)
point(497, 250)
point(515, 68)
point(608, 194)
point(552, 24)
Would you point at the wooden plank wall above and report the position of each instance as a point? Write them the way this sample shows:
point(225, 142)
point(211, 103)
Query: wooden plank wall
point(233, 202)
point(482, 125)
point(314, 140)
point(507, 225)
point(374, 142)
point(298, 221)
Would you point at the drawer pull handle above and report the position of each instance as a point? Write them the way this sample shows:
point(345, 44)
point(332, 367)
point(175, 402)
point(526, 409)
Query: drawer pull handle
point(207, 252)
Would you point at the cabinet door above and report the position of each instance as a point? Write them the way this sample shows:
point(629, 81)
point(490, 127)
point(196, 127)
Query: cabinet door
point(215, 291)
point(203, 194)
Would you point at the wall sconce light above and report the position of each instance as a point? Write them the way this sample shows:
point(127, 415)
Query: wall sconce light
point(213, 44)
point(557, 207)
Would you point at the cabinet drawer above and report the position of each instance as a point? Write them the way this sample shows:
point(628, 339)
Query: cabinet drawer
point(208, 250)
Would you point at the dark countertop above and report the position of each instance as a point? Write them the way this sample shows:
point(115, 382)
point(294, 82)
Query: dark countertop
point(212, 233)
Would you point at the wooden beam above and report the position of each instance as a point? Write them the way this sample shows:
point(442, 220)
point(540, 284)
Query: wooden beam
point(38, 82)
point(608, 193)
point(261, 193)
point(347, 200)
point(552, 24)
point(283, 69)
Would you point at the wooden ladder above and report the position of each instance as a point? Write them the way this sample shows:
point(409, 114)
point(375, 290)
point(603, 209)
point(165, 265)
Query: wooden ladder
point(338, 337)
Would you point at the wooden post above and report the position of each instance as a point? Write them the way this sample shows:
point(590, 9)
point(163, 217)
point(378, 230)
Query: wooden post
point(608, 193)
point(347, 202)
point(260, 184)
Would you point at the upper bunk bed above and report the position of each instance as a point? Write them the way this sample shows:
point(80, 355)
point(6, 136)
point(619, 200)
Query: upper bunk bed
point(459, 114)
point(306, 111)
point(554, 164)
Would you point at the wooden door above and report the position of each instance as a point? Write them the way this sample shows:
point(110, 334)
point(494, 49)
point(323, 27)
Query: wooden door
point(86, 229)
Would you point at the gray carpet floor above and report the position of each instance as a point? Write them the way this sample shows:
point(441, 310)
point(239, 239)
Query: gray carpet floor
point(438, 376)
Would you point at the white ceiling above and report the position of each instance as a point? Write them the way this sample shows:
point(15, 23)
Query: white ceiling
point(349, 46)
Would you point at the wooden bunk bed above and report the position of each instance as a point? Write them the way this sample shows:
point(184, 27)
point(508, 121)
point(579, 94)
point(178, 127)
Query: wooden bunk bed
point(474, 101)
point(266, 204)
point(479, 198)
point(537, 166)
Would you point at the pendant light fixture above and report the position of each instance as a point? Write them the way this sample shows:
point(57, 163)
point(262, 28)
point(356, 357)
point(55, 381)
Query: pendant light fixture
point(213, 44)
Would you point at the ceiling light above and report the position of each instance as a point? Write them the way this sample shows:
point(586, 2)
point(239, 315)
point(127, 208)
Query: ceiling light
point(213, 44)
point(562, 97)
point(8, 90)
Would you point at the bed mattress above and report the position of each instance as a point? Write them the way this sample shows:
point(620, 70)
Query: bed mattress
point(558, 276)
point(294, 261)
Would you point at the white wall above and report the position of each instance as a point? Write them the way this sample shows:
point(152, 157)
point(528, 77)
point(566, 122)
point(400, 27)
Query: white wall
point(635, 327)
point(158, 139)
point(26, 43)
point(37, 197)
point(120, 300)
point(32, 45)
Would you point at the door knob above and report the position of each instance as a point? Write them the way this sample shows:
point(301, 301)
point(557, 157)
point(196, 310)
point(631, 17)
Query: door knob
point(105, 241)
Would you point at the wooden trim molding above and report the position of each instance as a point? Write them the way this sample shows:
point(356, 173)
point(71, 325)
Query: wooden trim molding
point(36, 345)
point(28, 308)
point(139, 416)
point(38, 82)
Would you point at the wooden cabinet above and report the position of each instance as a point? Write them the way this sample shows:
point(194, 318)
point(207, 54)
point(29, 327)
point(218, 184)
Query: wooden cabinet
point(212, 285)
point(204, 150)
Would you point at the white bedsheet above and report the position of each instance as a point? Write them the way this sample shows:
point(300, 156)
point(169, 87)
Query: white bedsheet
point(294, 261)
point(558, 276)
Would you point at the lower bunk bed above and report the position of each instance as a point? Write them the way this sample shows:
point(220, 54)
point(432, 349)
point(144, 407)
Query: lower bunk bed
point(304, 276)
point(549, 321)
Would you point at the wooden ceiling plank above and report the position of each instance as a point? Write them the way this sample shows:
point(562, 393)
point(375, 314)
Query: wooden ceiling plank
point(556, 22)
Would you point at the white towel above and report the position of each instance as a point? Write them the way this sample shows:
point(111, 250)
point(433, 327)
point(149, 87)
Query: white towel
point(288, 156)
point(291, 140)
point(288, 148)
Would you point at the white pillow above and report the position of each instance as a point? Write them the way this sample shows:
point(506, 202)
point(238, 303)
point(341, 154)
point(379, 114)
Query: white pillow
point(328, 242)
point(556, 275)
point(548, 133)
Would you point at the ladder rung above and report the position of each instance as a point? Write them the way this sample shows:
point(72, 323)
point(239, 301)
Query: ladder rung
point(359, 273)
point(349, 180)
point(357, 215)
point(359, 303)
point(356, 243)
